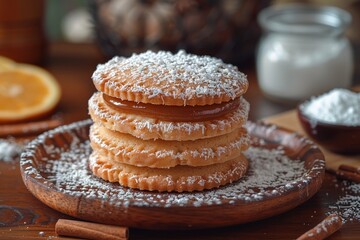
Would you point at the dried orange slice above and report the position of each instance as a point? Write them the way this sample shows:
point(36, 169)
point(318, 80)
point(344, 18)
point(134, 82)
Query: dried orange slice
point(6, 63)
point(26, 92)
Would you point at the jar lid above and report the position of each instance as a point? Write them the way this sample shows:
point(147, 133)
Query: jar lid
point(304, 19)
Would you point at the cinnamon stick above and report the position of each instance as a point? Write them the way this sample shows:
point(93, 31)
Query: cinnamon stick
point(347, 175)
point(348, 168)
point(88, 230)
point(21, 129)
point(324, 229)
point(346, 172)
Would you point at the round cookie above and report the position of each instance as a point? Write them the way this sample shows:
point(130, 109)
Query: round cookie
point(164, 78)
point(151, 128)
point(178, 179)
point(125, 148)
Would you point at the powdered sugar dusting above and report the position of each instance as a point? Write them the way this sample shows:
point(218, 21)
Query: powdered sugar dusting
point(271, 174)
point(348, 206)
point(9, 150)
point(179, 76)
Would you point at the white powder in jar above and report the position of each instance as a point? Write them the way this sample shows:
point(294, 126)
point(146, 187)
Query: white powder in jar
point(339, 106)
point(304, 51)
point(297, 67)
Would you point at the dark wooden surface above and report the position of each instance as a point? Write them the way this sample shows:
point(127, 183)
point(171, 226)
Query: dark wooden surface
point(22, 216)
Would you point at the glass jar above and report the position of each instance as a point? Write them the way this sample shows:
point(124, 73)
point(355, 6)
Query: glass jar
point(303, 51)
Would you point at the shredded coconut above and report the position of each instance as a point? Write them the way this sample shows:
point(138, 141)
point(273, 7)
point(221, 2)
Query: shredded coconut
point(9, 150)
point(271, 173)
point(339, 106)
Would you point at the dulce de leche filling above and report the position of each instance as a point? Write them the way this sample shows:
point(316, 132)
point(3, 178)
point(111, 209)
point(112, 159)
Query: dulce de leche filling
point(173, 113)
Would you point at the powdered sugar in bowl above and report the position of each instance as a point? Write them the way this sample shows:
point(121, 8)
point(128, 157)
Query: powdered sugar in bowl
point(333, 120)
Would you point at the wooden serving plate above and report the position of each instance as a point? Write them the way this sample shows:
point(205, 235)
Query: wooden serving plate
point(54, 169)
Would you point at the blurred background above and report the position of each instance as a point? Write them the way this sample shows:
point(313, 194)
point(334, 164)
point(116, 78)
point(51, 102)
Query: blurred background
point(227, 29)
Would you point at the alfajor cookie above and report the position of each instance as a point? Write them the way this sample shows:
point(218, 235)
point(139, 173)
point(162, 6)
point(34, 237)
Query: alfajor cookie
point(151, 127)
point(179, 179)
point(168, 122)
point(125, 148)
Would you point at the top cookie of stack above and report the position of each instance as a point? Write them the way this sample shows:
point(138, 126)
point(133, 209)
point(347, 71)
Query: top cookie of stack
point(162, 84)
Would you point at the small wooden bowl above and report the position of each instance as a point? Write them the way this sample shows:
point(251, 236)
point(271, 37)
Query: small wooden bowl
point(337, 138)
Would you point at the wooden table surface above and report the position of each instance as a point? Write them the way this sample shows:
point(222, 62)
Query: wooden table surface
point(22, 216)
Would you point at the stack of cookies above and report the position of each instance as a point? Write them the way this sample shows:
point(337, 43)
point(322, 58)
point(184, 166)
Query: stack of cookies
point(168, 122)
